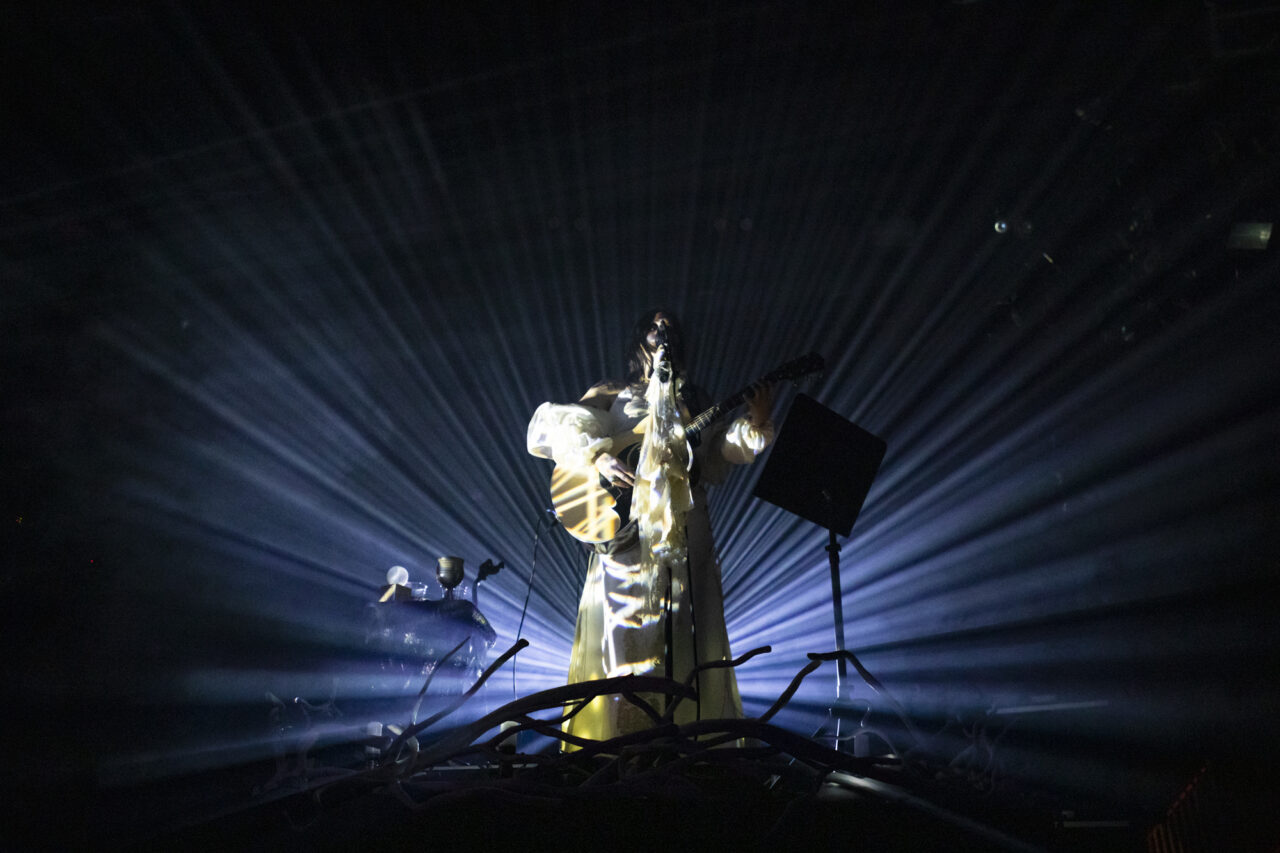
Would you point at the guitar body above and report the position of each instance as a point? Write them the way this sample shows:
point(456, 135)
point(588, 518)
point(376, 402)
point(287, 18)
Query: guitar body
point(593, 511)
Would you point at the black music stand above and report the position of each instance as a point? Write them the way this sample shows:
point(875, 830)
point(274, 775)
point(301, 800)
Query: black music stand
point(821, 468)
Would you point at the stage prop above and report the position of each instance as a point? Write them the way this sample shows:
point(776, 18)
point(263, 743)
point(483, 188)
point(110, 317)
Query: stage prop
point(414, 642)
point(678, 776)
point(414, 636)
point(821, 468)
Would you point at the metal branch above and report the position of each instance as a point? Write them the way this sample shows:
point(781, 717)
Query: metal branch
point(790, 691)
point(453, 706)
point(715, 664)
point(875, 685)
point(435, 667)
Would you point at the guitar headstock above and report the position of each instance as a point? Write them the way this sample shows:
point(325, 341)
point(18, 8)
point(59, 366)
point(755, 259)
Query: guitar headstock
point(797, 368)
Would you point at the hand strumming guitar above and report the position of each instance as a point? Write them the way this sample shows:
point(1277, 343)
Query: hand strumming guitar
point(590, 499)
point(615, 470)
point(759, 399)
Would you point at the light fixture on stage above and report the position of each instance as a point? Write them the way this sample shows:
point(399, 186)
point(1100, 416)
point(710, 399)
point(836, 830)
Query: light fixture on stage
point(397, 588)
point(1249, 236)
point(1020, 227)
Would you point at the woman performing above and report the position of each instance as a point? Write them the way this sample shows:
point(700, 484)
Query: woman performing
point(652, 603)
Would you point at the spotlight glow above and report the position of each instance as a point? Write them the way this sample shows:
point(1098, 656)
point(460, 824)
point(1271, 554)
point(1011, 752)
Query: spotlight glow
point(294, 315)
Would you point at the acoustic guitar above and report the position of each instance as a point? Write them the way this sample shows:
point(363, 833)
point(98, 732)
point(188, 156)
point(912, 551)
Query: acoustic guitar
point(592, 509)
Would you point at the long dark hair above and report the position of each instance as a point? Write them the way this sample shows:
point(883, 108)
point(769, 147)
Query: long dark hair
point(636, 355)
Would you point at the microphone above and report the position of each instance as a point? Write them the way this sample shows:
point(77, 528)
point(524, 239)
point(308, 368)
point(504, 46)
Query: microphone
point(664, 369)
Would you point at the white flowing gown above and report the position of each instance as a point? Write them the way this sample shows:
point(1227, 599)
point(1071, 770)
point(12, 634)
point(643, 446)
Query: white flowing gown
point(621, 626)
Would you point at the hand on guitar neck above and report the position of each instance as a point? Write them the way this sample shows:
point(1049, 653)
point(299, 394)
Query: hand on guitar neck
point(759, 399)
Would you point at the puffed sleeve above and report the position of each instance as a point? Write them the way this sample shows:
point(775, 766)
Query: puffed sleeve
point(568, 433)
point(737, 444)
point(743, 442)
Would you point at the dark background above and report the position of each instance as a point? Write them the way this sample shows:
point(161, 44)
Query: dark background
point(281, 287)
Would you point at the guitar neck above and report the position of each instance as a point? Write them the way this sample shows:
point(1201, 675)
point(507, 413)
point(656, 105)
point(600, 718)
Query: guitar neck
point(802, 366)
point(713, 414)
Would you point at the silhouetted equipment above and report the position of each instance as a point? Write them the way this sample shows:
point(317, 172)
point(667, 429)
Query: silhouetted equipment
point(821, 466)
point(821, 469)
point(449, 571)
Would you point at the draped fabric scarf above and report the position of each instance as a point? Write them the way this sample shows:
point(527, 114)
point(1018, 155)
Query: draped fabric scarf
point(662, 494)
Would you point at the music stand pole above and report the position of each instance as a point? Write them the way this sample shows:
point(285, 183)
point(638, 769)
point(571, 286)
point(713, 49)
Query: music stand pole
point(821, 468)
point(837, 607)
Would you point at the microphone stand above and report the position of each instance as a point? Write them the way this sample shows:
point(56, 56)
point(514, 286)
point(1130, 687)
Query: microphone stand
point(662, 366)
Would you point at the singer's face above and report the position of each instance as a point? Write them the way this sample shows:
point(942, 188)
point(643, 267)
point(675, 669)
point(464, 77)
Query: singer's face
point(661, 322)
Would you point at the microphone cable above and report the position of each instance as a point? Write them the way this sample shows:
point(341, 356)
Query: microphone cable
point(533, 568)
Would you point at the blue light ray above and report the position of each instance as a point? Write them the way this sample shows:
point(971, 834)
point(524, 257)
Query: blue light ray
point(337, 295)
